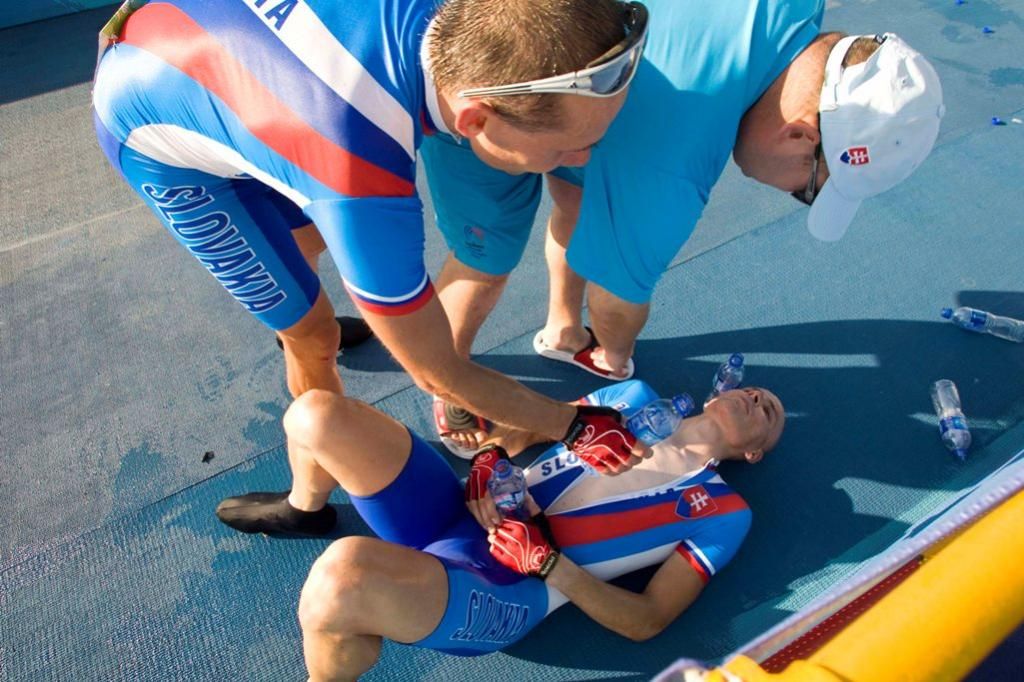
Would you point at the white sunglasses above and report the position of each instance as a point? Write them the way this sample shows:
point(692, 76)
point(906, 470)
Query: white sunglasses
point(606, 76)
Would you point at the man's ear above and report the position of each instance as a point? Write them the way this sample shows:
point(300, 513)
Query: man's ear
point(799, 132)
point(471, 118)
point(753, 456)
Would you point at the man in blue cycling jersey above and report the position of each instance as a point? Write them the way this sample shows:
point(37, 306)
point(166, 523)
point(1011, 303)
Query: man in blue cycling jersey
point(447, 573)
point(262, 132)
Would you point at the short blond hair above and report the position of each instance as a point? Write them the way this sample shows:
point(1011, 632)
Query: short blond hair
point(477, 43)
point(860, 50)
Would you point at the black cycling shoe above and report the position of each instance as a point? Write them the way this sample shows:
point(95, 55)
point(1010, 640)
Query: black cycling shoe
point(270, 513)
point(354, 331)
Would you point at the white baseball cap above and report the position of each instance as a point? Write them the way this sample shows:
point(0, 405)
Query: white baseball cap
point(879, 121)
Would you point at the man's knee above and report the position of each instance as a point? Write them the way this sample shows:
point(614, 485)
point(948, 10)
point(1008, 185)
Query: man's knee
point(336, 591)
point(456, 270)
point(309, 418)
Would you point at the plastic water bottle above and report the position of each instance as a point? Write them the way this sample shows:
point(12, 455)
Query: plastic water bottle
point(952, 423)
point(974, 320)
point(658, 419)
point(507, 486)
point(728, 376)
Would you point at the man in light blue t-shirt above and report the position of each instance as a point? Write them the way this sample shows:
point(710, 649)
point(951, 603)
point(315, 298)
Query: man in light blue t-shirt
point(734, 76)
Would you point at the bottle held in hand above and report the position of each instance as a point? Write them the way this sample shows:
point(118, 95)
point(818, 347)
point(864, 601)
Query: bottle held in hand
point(507, 486)
point(658, 419)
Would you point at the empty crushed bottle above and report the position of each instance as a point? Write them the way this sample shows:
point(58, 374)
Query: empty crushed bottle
point(728, 376)
point(952, 423)
point(658, 419)
point(975, 320)
point(507, 486)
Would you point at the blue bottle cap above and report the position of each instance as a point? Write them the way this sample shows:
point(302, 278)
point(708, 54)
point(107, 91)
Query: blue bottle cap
point(996, 121)
point(987, 29)
point(502, 468)
point(960, 2)
point(947, 313)
point(736, 359)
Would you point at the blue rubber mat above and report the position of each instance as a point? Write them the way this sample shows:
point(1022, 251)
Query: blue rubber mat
point(124, 363)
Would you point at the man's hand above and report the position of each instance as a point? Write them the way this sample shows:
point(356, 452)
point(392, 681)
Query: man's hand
point(478, 498)
point(520, 546)
point(598, 437)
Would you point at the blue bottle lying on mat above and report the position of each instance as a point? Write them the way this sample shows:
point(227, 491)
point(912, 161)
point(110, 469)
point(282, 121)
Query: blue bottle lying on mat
point(658, 419)
point(507, 486)
point(952, 423)
point(974, 320)
point(728, 376)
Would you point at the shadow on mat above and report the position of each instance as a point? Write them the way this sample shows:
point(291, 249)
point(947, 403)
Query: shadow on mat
point(49, 55)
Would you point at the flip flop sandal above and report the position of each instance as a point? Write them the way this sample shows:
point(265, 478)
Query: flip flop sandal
point(354, 331)
point(584, 359)
point(449, 418)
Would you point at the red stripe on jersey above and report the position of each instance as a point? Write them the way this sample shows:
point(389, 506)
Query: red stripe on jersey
point(724, 504)
point(173, 36)
point(581, 530)
point(695, 562)
point(404, 308)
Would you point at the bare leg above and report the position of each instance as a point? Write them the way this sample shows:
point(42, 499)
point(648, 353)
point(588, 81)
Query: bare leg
point(311, 244)
point(359, 591)
point(361, 448)
point(468, 297)
point(513, 440)
point(311, 349)
point(311, 344)
point(564, 328)
point(617, 323)
point(331, 439)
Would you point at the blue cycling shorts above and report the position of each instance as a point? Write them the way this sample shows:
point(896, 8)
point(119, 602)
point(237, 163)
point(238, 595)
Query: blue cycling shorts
point(489, 606)
point(237, 228)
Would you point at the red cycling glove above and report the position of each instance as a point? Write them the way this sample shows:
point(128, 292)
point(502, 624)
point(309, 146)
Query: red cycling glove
point(521, 547)
point(598, 437)
point(480, 470)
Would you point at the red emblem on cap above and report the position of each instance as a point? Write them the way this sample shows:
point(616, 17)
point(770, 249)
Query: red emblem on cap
point(856, 156)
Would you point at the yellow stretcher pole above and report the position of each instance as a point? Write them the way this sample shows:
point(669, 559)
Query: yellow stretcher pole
point(938, 624)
